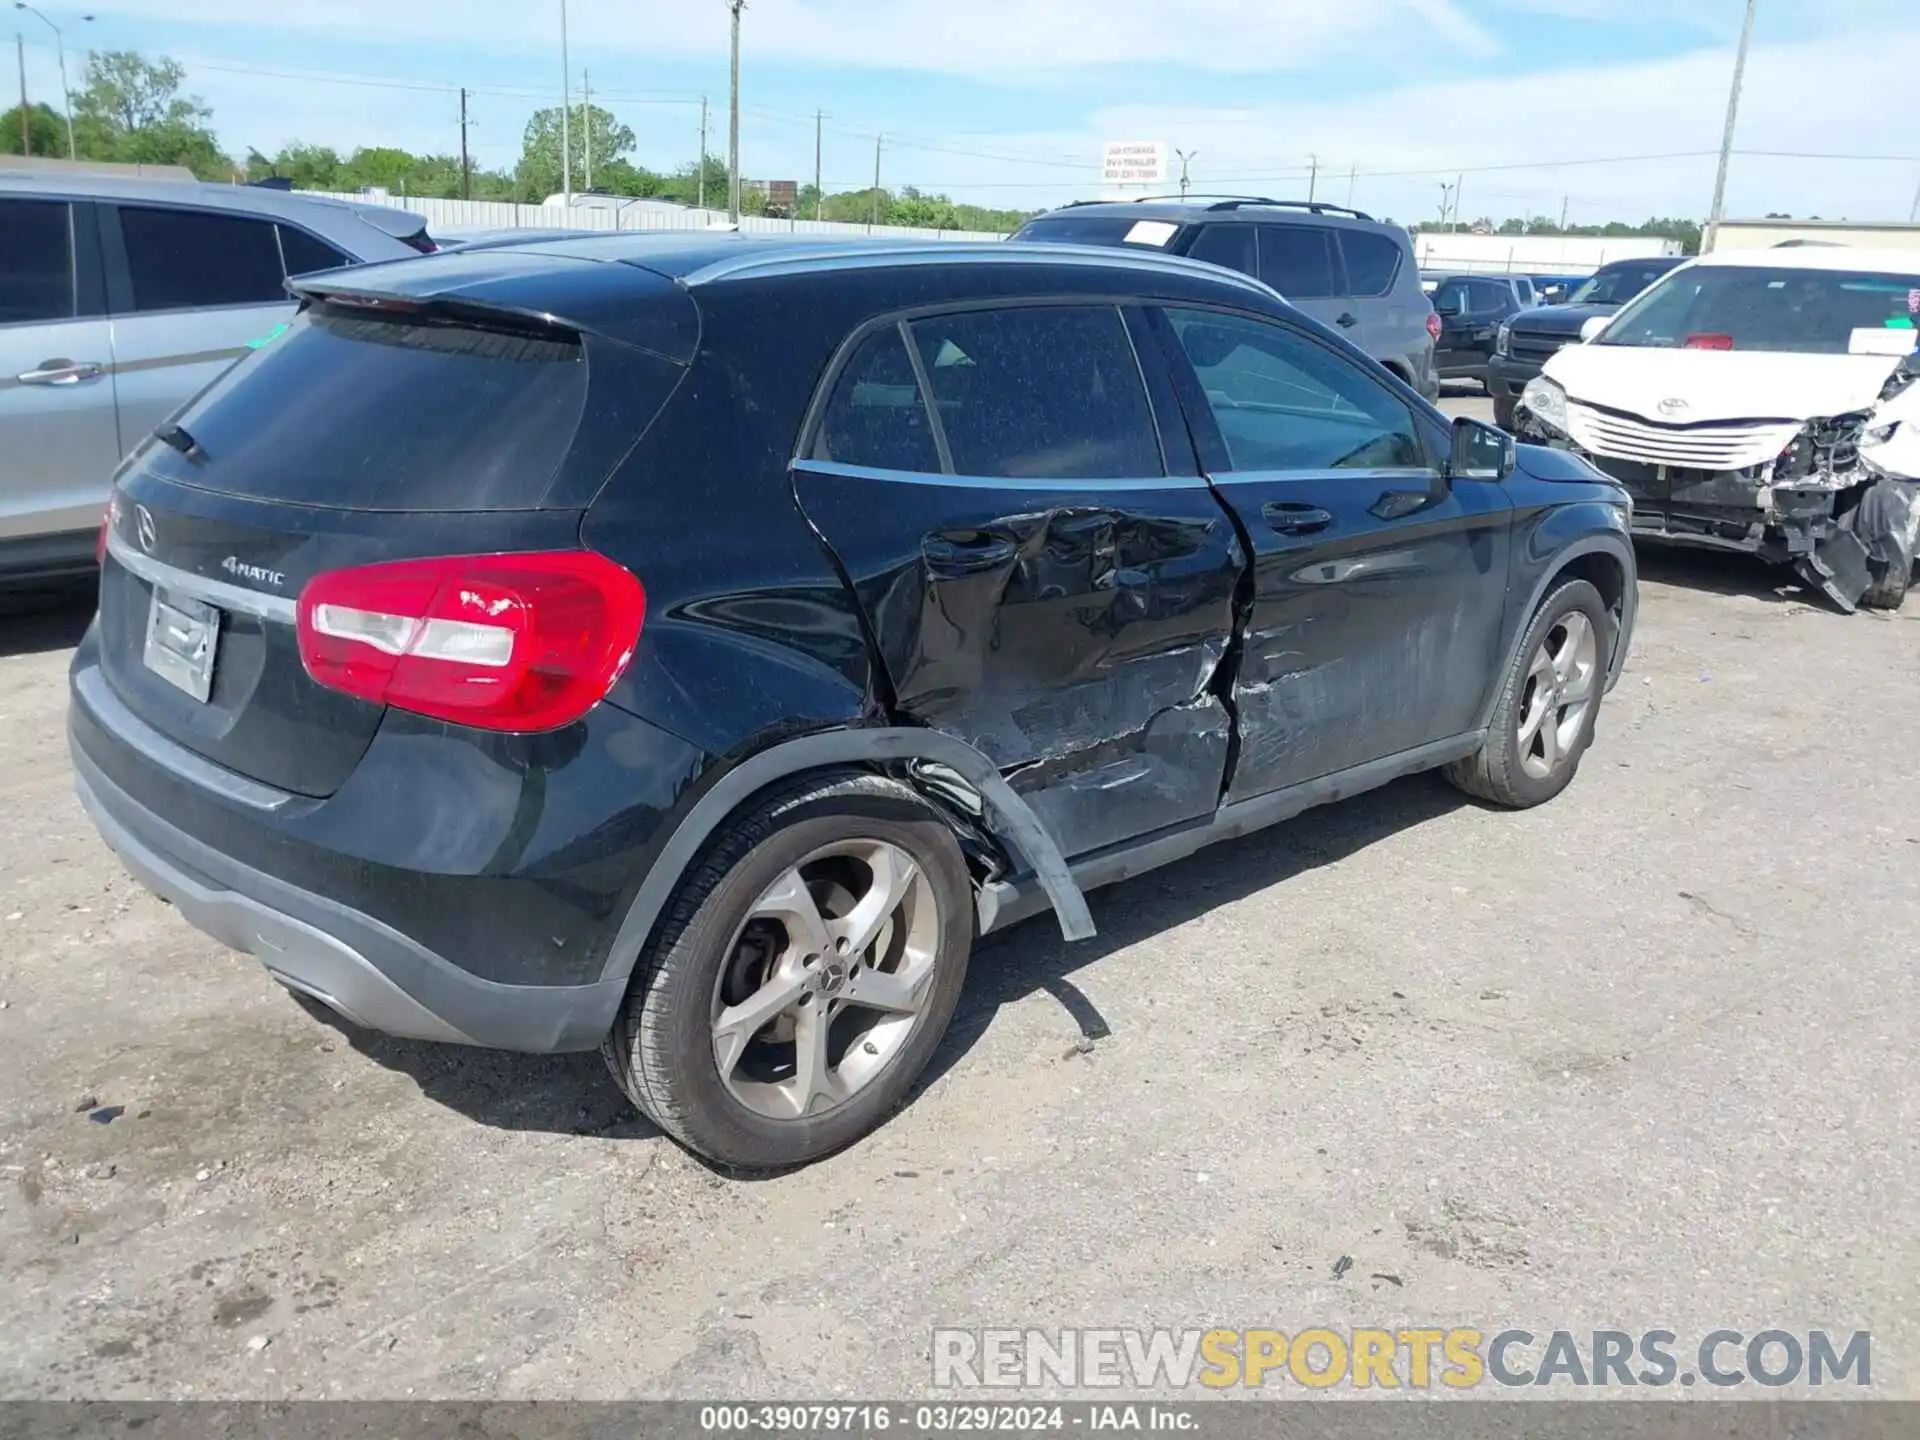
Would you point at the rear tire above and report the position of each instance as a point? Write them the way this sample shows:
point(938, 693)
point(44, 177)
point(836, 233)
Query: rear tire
point(1890, 591)
point(1549, 699)
point(766, 929)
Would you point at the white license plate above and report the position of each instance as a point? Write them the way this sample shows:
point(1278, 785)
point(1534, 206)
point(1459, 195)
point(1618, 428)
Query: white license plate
point(182, 635)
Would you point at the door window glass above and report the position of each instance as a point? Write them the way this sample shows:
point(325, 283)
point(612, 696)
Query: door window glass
point(1048, 393)
point(1283, 402)
point(1373, 261)
point(1451, 296)
point(194, 258)
point(1228, 245)
point(1491, 297)
point(874, 416)
point(1297, 260)
point(36, 261)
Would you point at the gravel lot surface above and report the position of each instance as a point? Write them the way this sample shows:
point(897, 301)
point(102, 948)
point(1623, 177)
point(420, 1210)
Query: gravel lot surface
point(1639, 1058)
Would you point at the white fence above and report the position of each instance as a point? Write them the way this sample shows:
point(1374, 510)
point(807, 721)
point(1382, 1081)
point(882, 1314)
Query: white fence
point(453, 217)
point(1533, 254)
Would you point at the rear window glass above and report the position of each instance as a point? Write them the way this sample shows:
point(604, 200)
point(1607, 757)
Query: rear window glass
point(1373, 261)
point(304, 254)
point(179, 259)
point(1052, 393)
point(1100, 230)
point(1228, 245)
point(1297, 260)
point(875, 417)
point(356, 412)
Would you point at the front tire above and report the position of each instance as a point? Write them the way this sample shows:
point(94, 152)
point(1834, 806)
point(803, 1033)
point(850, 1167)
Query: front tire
point(1549, 699)
point(802, 977)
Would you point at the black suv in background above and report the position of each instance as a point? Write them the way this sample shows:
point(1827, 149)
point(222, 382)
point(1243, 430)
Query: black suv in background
point(1343, 268)
point(687, 647)
point(1523, 345)
point(1471, 310)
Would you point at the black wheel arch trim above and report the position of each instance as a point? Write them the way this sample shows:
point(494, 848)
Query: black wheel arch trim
point(843, 747)
point(1615, 547)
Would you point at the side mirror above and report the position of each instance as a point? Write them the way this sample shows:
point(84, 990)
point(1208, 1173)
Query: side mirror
point(1480, 451)
point(1592, 328)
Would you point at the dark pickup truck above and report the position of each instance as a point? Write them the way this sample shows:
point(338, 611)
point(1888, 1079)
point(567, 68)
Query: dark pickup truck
point(1525, 343)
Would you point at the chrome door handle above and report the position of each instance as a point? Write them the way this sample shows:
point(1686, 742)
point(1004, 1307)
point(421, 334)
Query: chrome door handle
point(61, 372)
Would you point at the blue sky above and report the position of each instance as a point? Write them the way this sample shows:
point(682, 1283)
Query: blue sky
point(1007, 101)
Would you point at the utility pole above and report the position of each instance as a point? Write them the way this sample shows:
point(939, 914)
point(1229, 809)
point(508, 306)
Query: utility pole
point(586, 121)
point(466, 165)
point(20, 53)
point(1187, 157)
point(1313, 177)
point(819, 196)
point(873, 218)
point(566, 104)
point(1353, 174)
point(1718, 212)
point(1458, 182)
point(703, 153)
point(60, 49)
point(1446, 192)
point(733, 120)
point(1914, 214)
point(1566, 202)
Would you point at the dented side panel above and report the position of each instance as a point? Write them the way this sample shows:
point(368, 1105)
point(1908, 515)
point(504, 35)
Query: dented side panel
point(1071, 633)
point(1378, 633)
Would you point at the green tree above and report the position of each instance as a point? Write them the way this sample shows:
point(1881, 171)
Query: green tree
point(539, 172)
point(130, 109)
point(684, 184)
point(309, 167)
point(46, 131)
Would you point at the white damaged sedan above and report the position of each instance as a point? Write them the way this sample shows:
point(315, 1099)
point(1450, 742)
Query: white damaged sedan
point(1735, 399)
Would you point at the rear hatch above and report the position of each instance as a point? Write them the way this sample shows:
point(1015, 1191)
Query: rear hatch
point(374, 428)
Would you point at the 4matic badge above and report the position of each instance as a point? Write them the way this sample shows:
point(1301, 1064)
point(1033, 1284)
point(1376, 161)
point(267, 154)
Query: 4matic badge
point(240, 570)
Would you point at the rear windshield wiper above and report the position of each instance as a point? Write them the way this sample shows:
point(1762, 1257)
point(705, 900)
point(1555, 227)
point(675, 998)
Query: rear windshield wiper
point(179, 439)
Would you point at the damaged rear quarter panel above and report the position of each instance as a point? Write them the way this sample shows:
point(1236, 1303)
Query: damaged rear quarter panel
point(1069, 631)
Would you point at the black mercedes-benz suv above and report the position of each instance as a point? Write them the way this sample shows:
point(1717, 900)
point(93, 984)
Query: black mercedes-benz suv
point(689, 647)
point(1524, 344)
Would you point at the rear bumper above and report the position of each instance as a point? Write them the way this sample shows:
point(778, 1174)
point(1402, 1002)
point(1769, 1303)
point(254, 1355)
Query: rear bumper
point(369, 973)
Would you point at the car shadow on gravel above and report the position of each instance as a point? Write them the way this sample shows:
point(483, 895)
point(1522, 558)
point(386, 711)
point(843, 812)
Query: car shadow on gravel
point(33, 622)
point(574, 1095)
point(1715, 572)
point(553, 1094)
point(1031, 956)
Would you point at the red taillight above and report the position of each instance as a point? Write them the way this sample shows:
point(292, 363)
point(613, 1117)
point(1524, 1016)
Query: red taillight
point(1708, 342)
point(503, 642)
point(1433, 326)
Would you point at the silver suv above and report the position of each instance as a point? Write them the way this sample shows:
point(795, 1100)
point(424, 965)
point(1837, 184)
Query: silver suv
point(119, 301)
point(1335, 265)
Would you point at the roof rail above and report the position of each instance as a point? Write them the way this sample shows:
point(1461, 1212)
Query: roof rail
point(1318, 207)
point(1198, 195)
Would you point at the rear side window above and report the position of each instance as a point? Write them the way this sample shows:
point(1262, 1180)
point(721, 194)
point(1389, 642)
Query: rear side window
point(36, 262)
point(1373, 261)
point(304, 254)
point(1048, 393)
point(1491, 297)
point(1228, 245)
point(874, 416)
point(361, 413)
point(1297, 260)
point(192, 258)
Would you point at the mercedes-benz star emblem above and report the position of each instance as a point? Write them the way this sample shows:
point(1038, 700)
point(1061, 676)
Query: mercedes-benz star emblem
point(1674, 406)
point(143, 525)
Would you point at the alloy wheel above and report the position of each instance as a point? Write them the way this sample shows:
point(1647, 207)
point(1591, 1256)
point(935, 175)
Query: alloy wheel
point(825, 979)
point(1559, 692)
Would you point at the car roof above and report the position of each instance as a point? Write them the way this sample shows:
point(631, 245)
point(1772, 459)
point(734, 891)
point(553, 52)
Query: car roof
point(698, 258)
point(1190, 212)
point(247, 199)
point(591, 281)
point(1817, 257)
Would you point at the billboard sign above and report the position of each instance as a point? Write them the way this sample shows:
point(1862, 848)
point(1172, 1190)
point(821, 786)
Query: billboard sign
point(1137, 167)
